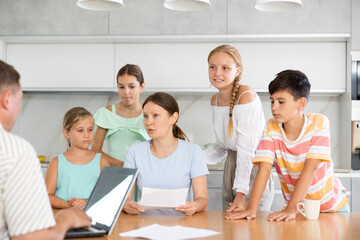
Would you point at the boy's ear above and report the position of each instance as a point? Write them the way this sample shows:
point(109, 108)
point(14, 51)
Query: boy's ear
point(5, 99)
point(302, 103)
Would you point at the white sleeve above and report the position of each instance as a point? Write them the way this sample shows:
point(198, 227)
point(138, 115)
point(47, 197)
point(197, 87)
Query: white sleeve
point(26, 201)
point(214, 154)
point(251, 123)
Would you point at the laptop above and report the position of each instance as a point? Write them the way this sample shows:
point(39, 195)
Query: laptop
point(106, 201)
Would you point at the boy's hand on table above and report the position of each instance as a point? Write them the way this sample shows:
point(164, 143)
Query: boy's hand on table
point(239, 203)
point(246, 214)
point(282, 215)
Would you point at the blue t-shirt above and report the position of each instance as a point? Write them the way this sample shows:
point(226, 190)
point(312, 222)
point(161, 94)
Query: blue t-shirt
point(174, 171)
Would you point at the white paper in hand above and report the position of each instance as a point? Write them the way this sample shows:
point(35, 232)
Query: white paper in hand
point(156, 198)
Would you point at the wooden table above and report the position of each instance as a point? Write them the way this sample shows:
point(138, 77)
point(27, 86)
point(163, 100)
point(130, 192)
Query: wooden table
point(329, 226)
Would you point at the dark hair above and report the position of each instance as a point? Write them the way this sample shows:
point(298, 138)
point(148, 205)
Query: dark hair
point(9, 77)
point(169, 103)
point(73, 116)
point(133, 70)
point(234, 53)
point(294, 81)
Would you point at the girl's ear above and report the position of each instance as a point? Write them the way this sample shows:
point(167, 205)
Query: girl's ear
point(142, 87)
point(66, 134)
point(238, 71)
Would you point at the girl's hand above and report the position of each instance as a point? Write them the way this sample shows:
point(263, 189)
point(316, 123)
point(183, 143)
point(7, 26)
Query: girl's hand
point(78, 203)
point(188, 208)
point(282, 215)
point(247, 214)
point(239, 203)
point(132, 207)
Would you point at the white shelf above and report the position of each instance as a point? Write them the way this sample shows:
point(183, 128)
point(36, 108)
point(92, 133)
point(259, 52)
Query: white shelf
point(306, 37)
point(176, 91)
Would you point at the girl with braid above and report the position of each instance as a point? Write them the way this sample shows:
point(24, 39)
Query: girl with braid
point(238, 121)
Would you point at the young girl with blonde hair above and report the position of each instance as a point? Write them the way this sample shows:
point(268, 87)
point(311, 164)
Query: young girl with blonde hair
point(72, 175)
point(238, 120)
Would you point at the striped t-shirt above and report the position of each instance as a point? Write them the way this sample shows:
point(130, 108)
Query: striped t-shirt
point(289, 158)
point(24, 202)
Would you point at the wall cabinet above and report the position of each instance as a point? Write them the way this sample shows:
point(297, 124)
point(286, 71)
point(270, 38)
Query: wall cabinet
point(320, 61)
point(63, 67)
point(168, 65)
point(174, 66)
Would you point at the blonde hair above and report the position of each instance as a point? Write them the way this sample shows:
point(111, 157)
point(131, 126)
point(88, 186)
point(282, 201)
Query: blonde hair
point(234, 53)
point(73, 116)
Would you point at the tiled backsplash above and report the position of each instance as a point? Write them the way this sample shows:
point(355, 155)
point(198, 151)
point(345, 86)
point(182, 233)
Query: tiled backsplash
point(40, 118)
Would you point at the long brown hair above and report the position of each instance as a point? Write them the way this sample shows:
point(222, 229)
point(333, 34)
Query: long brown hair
point(167, 102)
point(234, 53)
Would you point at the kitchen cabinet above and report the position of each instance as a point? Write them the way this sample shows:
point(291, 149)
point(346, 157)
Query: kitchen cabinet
point(320, 61)
point(168, 65)
point(214, 185)
point(173, 64)
point(63, 67)
point(184, 65)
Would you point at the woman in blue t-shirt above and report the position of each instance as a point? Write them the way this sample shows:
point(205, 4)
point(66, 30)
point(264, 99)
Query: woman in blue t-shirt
point(167, 161)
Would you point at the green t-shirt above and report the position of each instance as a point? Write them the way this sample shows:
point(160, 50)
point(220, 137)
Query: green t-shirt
point(121, 132)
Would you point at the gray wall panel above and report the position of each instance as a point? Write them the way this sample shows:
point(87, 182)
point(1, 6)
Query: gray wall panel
point(316, 16)
point(355, 25)
point(50, 17)
point(150, 17)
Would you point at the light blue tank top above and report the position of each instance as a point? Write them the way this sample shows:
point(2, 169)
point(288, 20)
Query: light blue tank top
point(75, 180)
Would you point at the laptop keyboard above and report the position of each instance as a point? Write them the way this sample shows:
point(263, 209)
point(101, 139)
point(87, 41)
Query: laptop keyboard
point(79, 230)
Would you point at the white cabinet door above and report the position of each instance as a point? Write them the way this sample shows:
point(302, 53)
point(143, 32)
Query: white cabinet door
point(73, 67)
point(324, 63)
point(184, 65)
point(168, 65)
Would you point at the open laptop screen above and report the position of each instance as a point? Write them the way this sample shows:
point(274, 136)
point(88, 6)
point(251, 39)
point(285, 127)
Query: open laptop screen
point(109, 195)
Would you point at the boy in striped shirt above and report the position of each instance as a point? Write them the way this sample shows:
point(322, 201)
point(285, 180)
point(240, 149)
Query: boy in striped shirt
point(298, 145)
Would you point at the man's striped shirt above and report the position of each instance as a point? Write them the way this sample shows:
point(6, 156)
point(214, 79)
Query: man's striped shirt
point(24, 202)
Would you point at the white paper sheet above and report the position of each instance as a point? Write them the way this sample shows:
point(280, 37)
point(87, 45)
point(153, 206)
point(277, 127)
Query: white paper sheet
point(156, 198)
point(156, 231)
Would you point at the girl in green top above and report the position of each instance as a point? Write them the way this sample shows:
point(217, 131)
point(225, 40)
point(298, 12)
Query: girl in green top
point(122, 123)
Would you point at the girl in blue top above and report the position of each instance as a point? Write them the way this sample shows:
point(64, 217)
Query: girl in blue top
point(72, 175)
point(167, 161)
